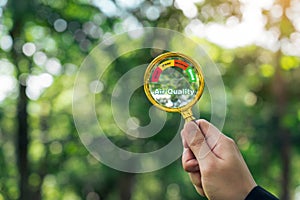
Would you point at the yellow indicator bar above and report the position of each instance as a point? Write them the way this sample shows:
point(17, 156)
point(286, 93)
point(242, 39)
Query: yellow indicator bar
point(166, 64)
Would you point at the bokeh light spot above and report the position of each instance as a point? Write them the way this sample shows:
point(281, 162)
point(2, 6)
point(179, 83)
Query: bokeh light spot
point(29, 49)
point(152, 13)
point(6, 43)
point(250, 99)
point(60, 25)
point(267, 70)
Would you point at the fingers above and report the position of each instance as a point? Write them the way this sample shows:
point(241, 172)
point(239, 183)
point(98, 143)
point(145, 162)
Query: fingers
point(189, 162)
point(196, 180)
point(199, 139)
point(196, 141)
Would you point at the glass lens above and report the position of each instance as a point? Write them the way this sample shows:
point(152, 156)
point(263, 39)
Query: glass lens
point(174, 82)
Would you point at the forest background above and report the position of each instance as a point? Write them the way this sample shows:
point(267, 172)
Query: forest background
point(255, 45)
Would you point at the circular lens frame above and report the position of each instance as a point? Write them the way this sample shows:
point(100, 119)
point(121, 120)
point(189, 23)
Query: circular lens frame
point(155, 64)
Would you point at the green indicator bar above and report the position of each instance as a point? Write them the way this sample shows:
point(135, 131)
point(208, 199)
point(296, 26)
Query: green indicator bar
point(191, 74)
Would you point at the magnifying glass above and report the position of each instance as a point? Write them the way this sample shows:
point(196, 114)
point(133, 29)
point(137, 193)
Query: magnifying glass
point(174, 82)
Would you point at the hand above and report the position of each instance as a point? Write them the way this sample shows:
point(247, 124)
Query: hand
point(214, 162)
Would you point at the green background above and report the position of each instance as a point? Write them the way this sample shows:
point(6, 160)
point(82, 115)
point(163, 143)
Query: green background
point(43, 43)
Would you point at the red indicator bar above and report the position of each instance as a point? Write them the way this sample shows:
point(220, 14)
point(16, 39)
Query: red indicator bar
point(181, 64)
point(156, 74)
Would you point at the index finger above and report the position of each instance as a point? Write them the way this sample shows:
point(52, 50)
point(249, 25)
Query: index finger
point(189, 162)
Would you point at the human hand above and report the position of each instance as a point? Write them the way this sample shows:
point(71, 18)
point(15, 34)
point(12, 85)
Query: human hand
point(214, 162)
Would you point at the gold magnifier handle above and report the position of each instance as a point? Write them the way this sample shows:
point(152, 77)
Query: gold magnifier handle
point(187, 115)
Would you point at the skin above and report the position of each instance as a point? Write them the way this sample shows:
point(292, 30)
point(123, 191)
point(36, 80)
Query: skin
point(214, 163)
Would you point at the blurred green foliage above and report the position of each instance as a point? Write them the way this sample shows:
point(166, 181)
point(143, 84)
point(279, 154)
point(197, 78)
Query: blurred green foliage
point(43, 43)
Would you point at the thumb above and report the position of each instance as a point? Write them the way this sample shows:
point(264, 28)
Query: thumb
point(196, 141)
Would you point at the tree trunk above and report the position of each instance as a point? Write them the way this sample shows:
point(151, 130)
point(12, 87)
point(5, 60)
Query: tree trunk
point(19, 8)
point(281, 99)
point(22, 143)
point(126, 184)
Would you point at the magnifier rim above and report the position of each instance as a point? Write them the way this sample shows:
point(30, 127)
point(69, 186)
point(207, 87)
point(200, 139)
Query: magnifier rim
point(148, 74)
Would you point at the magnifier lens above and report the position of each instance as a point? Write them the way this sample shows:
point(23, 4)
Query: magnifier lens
point(173, 82)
